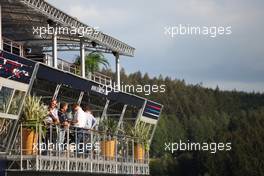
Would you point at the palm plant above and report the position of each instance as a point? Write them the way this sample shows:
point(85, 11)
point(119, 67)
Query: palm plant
point(108, 126)
point(33, 114)
point(93, 61)
point(108, 144)
point(140, 133)
point(34, 111)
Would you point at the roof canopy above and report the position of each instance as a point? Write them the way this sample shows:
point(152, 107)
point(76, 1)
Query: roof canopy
point(19, 17)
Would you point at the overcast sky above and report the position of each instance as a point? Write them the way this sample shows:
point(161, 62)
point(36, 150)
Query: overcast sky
point(233, 61)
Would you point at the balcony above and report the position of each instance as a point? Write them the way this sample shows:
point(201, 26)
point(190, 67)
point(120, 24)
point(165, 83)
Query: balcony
point(72, 68)
point(18, 49)
point(106, 153)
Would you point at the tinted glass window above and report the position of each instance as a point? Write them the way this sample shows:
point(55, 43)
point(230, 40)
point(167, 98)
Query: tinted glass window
point(16, 102)
point(5, 96)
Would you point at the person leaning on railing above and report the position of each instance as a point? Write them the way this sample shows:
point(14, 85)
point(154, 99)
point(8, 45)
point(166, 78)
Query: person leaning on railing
point(79, 122)
point(53, 113)
point(90, 123)
point(90, 119)
point(64, 123)
point(51, 122)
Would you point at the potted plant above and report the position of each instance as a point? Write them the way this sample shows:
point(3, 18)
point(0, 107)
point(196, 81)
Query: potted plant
point(108, 144)
point(33, 114)
point(140, 135)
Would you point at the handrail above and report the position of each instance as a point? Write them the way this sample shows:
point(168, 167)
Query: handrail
point(62, 64)
point(117, 154)
point(75, 69)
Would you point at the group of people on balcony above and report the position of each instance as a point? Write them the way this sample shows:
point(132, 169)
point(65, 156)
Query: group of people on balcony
point(59, 121)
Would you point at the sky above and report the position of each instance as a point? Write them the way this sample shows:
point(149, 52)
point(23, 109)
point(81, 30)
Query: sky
point(234, 61)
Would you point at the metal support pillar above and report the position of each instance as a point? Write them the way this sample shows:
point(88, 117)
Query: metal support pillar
point(121, 117)
point(117, 70)
point(82, 57)
point(55, 50)
point(103, 116)
point(80, 98)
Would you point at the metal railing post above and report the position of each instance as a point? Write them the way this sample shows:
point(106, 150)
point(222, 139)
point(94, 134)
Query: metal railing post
point(133, 155)
point(68, 148)
point(21, 150)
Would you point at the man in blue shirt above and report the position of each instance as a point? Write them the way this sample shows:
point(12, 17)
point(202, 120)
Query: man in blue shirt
point(64, 123)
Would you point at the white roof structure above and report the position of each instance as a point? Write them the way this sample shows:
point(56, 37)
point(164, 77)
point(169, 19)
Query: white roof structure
point(20, 16)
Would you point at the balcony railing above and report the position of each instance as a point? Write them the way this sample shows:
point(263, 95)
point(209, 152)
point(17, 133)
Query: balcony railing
point(17, 49)
point(72, 68)
point(12, 46)
point(101, 78)
point(81, 150)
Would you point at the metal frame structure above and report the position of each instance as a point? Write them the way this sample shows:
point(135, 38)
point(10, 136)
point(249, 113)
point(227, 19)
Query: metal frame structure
point(69, 161)
point(31, 9)
point(100, 165)
point(17, 17)
point(26, 14)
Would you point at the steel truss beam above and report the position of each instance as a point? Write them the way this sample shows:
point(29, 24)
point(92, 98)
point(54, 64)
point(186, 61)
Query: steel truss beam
point(63, 19)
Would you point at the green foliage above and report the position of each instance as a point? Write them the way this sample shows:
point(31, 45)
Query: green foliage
point(93, 61)
point(198, 114)
point(140, 133)
point(108, 126)
point(34, 111)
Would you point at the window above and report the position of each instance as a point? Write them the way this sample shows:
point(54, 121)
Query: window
point(44, 89)
point(97, 103)
point(69, 95)
point(5, 97)
point(16, 102)
point(7, 47)
point(16, 50)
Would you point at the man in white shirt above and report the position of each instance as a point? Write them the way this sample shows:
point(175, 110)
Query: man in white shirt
point(90, 124)
point(52, 118)
point(51, 122)
point(90, 120)
point(79, 122)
